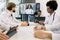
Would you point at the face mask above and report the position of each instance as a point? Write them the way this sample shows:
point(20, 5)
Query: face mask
point(14, 11)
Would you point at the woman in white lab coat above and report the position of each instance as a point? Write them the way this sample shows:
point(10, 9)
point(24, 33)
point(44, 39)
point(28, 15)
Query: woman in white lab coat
point(29, 13)
point(52, 23)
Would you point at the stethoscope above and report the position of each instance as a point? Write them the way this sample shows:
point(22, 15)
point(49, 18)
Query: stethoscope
point(53, 17)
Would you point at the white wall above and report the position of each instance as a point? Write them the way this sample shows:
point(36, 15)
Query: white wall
point(43, 6)
point(58, 9)
point(2, 6)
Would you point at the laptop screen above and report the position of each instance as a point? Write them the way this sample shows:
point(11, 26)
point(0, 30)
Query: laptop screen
point(40, 18)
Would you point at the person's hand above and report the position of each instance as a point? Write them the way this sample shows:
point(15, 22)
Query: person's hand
point(43, 28)
point(37, 28)
point(3, 31)
point(40, 28)
point(36, 21)
point(25, 23)
point(42, 34)
point(41, 22)
point(3, 36)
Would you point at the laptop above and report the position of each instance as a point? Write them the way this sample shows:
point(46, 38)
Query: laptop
point(40, 18)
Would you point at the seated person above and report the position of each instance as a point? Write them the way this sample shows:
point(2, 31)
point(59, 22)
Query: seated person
point(38, 14)
point(7, 16)
point(52, 24)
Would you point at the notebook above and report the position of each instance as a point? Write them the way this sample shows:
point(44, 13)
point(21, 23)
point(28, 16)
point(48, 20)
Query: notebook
point(11, 32)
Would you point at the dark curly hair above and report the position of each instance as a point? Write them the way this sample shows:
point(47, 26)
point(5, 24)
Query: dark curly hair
point(52, 4)
point(39, 11)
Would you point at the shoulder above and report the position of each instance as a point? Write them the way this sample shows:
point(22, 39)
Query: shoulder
point(3, 13)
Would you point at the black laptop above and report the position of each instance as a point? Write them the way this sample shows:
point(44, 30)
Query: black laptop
point(40, 18)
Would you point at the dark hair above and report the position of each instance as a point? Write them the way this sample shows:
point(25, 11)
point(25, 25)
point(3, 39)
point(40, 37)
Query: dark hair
point(11, 5)
point(35, 13)
point(28, 6)
point(52, 4)
point(39, 11)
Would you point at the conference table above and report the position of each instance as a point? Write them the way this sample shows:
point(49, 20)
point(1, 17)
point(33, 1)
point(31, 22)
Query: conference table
point(26, 33)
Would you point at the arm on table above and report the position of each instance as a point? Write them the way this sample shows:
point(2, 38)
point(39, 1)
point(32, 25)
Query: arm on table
point(3, 36)
point(42, 34)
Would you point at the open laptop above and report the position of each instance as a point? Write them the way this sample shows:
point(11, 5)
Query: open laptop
point(40, 18)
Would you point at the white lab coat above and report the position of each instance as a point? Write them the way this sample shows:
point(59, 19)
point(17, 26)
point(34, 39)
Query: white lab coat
point(3, 26)
point(53, 25)
point(29, 11)
point(8, 20)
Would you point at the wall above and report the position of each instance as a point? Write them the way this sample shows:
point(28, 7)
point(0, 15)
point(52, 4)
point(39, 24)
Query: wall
point(2, 7)
point(58, 9)
point(43, 6)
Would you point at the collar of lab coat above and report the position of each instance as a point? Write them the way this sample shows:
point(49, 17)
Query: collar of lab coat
point(52, 14)
point(9, 12)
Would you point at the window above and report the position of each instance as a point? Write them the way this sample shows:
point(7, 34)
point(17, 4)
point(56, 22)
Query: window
point(28, 1)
